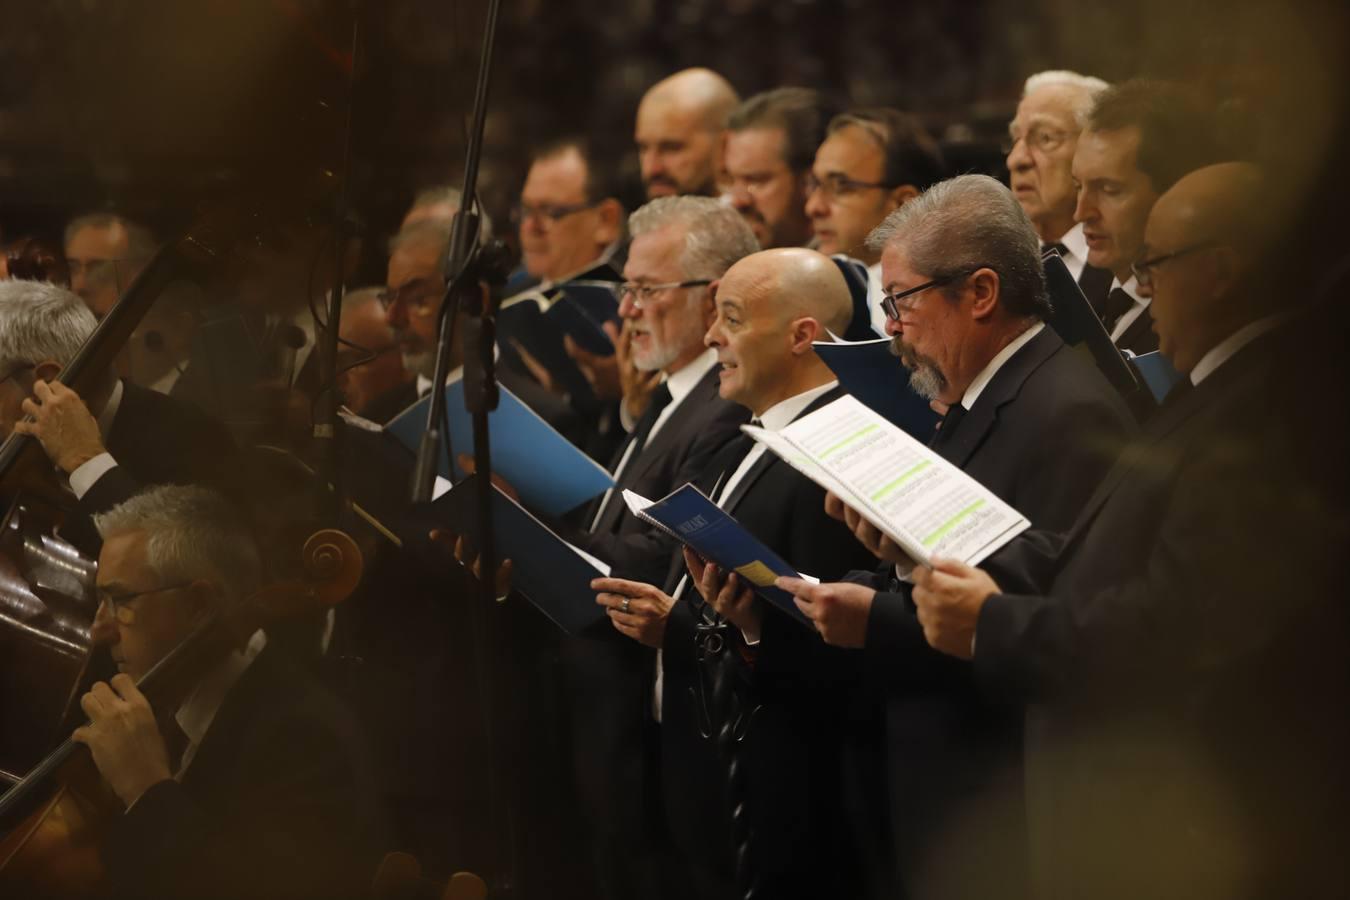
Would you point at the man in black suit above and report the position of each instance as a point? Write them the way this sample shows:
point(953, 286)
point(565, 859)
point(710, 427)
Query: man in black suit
point(255, 784)
point(1180, 650)
point(123, 438)
point(770, 307)
point(1139, 138)
point(1034, 422)
point(1042, 138)
point(680, 247)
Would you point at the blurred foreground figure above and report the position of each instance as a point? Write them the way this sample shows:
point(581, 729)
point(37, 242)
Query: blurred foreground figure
point(256, 786)
point(105, 253)
point(1180, 649)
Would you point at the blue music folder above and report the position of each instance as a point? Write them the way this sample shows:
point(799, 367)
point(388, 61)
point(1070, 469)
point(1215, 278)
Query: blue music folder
point(869, 371)
point(551, 475)
point(1157, 373)
point(549, 572)
point(691, 518)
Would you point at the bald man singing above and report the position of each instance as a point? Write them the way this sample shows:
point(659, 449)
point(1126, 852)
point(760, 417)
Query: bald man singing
point(770, 307)
point(1180, 651)
point(681, 124)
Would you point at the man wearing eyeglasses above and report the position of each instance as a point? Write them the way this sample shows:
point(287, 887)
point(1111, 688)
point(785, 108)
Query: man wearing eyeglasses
point(1042, 139)
point(569, 214)
point(771, 141)
point(105, 253)
point(872, 161)
point(1180, 649)
point(255, 782)
point(1140, 137)
point(371, 376)
point(1035, 423)
point(679, 133)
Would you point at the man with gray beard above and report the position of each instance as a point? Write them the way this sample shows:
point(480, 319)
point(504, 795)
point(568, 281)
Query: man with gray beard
point(1039, 426)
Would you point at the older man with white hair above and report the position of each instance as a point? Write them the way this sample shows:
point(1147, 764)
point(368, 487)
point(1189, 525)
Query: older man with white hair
point(1042, 138)
point(116, 439)
point(254, 784)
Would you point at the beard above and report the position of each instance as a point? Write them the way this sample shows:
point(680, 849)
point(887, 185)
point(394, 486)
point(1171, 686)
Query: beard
point(925, 378)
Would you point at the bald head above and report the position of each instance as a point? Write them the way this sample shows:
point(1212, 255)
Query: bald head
point(1202, 238)
point(770, 307)
point(679, 129)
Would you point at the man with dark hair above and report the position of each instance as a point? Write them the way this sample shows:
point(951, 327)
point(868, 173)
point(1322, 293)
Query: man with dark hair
point(771, 142)
point(1140, 137)
point(569, 214)
point(871, 162)
point(1035, 423)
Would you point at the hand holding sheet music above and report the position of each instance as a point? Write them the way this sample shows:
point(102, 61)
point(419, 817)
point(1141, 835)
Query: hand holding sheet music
point(926, 505)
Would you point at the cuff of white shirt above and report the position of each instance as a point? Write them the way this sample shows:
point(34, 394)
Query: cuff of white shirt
point(87, 475)
point(751, 639)
point(905, 572)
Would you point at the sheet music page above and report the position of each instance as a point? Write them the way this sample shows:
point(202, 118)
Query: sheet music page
point(924, 503)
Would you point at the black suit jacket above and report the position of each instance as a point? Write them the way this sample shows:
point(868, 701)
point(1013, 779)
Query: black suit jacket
point(1095, 284)
point(277, 803)
point(609, 675)
point(791, 753)
point(1172, 651)
point(156, 439)
point(1041, 436)
point(1139, 337)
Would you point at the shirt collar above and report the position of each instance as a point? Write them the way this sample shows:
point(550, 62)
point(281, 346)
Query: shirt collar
point(991, 368)
point(108, 414)
point(1075, 242)
point(197, 712)
point(782, 413)
point(1131, 287)
point(1229, 346)
point(683, 381)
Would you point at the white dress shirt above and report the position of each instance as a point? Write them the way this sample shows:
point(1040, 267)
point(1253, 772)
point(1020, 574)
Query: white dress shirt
point(88, 473)
point(1075, 250)
point(981, 381)
point(1130, 287)
point(875, 292)
point(199, 709)
point(1229, 346)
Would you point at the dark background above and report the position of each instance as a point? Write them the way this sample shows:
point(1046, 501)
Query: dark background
point(152, 107)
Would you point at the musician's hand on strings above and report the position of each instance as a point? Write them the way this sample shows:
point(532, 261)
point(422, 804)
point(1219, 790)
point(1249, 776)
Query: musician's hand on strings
point(63, 425)
point(123, 738)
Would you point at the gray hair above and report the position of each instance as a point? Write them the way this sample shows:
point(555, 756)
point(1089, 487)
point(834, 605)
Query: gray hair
point(1087, 86)
point(438, 194)
point(715, 237)
point(141, 244)
point(191, 534)
point(41, 321)
point(427, 231)
point(358, 297)
point(966, 223)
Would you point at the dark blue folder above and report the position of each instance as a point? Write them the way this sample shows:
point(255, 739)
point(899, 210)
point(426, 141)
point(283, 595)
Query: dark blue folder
point(1077, 325)
point(869, 371)
point(551, 475)
point(544, 568)
point(1157, 373)
point(691, 518)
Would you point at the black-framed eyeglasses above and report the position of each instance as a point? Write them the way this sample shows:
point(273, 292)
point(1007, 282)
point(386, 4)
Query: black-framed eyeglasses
point(836, 185)
point(645, 293)
point(1143, 270)
point(548, 214)
point(894, 304)
point(421, 296)
point(120, 604)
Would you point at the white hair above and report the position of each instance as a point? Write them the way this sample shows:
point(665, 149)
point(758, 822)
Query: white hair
point(715, 237)
point(41, 321)
point(1087, 87)
point(191, 534)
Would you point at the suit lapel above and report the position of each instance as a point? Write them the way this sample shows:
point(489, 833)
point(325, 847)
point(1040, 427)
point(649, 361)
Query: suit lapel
point(1138, 330)
point(673, 428)
point(1002, 389)
point(767, 459)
